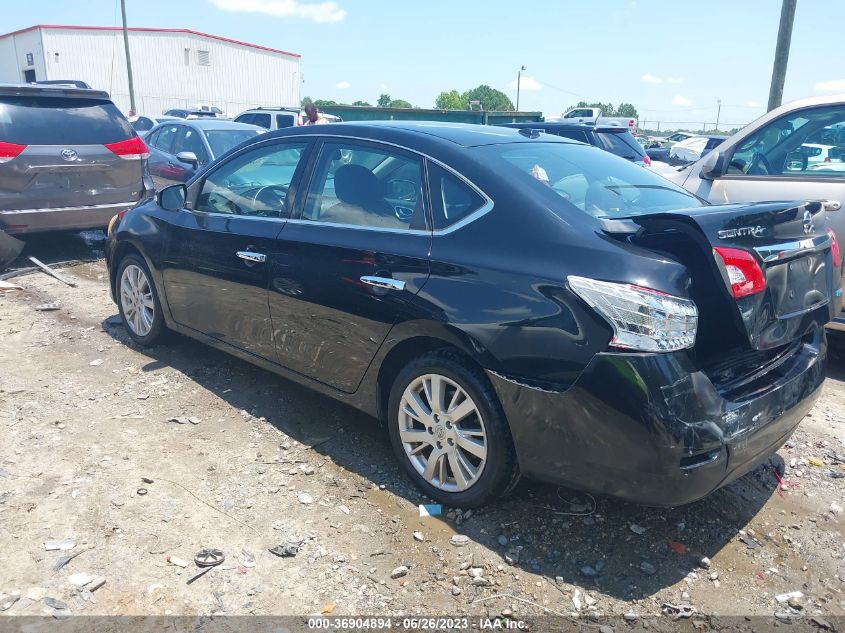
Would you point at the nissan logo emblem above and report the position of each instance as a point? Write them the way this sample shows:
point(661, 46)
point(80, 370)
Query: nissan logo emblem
point(69, 155)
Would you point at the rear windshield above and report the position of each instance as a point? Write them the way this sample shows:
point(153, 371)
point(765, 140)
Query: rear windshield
point(621, 143)
point(592, 180)
point(30, 120)
point(222, 141)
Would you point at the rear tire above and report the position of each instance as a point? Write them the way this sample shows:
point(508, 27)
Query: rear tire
point(138, 301)
point(449, 431)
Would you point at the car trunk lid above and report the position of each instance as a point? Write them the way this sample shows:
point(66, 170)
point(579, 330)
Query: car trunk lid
point(799, 288)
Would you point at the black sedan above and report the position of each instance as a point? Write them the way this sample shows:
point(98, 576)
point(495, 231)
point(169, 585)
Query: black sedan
point(178, 148)
point(509, 303)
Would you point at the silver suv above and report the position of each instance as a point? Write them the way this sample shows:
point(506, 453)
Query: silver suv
point(69, 160)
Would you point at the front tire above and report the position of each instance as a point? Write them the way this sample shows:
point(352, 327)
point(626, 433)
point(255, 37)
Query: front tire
point(138, 301)
point(448, 430)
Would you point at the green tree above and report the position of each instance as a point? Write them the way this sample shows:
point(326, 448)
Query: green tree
point(400, 103)
point(452, 100)
point(361, 103)
point(626, 109)
point(383, 100)
point(320, 103)
point(305, 101)
point(490, 98)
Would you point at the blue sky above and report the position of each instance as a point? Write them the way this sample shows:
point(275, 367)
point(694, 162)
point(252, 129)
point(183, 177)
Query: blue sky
point(673, 59)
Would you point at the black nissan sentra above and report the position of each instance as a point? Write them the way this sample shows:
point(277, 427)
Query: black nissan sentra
point(509, 303)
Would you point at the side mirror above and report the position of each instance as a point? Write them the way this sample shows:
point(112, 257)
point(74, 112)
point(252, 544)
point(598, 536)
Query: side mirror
point(712, 166)
point(188, 157)
point(796, 161)
point(172, 198)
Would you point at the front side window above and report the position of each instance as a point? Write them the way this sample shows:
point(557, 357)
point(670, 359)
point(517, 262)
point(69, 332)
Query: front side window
point(452, 199)
point(261, 119)
point(255, 183)
point(809, 143)
point(361, 185)
point(164, 139)
point(285, 120)
point(189, 141)
point(590, 179)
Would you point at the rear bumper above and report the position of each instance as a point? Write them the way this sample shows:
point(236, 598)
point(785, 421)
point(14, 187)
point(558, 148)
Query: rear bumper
point(17, 222)
point(652, 429)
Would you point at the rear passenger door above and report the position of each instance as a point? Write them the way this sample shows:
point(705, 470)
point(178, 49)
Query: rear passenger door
point(344, 271)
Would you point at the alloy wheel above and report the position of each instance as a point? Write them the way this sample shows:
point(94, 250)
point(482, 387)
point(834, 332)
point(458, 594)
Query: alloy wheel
point(136, 299)
point(442, 432)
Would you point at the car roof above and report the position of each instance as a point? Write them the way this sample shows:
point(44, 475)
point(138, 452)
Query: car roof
point(211, 123)
point(566, 127)
point(56, 90)
point(463, 134)
point(273, 109)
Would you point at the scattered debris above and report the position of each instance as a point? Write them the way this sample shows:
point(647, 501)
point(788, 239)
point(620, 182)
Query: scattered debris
point(96, 362)
point(285, 550)
point(399, 572)
point(6, 286)
point(64, 560)
point(431, 510)
point(179, 562)
point(9, 599)
point(328, 608)
point(62, 545)
point(677, 611)
point(677, 547)
point(785, 597)
point(419, 536)
point(637, 529)
point(305, 498)
point(52, 272)
point(80, 579)
point(704, 563)
point(56, 604)
point(209, 557)
point(459, 540)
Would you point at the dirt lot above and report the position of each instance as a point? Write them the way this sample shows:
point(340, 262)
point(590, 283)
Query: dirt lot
point(84, 417)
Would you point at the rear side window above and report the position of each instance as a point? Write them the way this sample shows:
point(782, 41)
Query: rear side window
point(452, 199)
point(618, 143)
point(588, 179)
point(285, 120)
point(244, 118)
point(32, 120)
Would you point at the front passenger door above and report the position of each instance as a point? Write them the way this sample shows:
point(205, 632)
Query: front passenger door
point(218, 252)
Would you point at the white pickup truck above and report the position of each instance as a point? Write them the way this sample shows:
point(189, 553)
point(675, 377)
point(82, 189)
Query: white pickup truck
point(596, 116)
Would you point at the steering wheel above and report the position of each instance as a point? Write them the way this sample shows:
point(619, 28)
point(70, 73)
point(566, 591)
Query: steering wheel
point(759, 161)
point(273, 196)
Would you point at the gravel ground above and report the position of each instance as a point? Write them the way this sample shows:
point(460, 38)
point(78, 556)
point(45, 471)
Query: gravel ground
point(141, 458)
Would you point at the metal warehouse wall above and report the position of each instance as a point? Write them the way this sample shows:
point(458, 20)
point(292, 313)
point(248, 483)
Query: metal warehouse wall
point(13, 57)
point(167, 71)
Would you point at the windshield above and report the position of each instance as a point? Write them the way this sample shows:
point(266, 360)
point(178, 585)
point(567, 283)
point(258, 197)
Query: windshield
point(222, 141)
point(592, 180)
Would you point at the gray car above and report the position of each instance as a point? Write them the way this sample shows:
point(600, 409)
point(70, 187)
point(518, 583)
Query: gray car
point(69, 159)
point(794, 152)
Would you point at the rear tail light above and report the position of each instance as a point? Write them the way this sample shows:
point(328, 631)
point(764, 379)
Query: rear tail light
point(646, 160)
point(9, 150)
point(834, 248)
point(644, 320)
point(130, 149)
point(744, 273)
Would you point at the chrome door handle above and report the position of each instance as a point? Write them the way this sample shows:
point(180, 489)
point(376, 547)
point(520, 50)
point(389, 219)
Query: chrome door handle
point(383, 282)
point(251, 256)
point(831, 205)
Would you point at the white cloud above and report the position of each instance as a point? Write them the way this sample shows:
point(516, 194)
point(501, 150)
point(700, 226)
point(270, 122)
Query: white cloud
point(834, 85)
point(753, 104)
point(343, 85)
point(316, 11)
point(529, 84)
point(678, 100)
point(673, 80)
point(651, 79)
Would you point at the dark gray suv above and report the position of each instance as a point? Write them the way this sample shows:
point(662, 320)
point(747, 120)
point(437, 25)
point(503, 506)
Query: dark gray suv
point(69, 159)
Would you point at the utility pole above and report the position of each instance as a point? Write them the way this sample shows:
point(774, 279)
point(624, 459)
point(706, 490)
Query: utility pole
point(518, 81)
point(128, 60)
point(787, 18)
point(718, 114)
